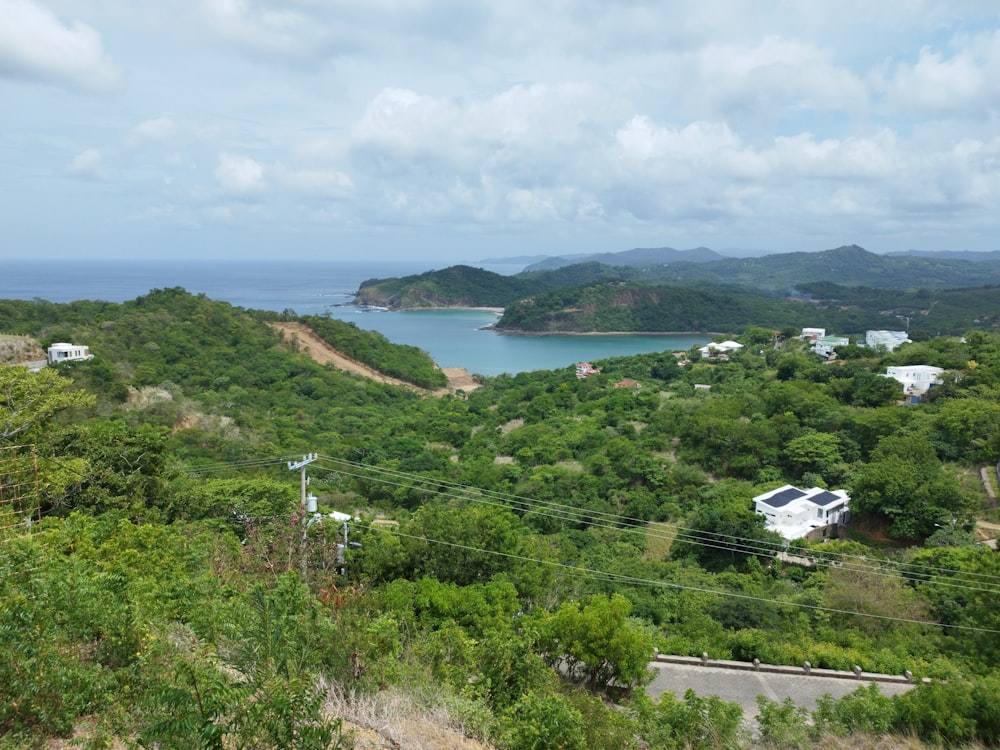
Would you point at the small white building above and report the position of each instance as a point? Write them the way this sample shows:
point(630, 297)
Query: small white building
point(889, 339)
point(68, 353)
point(826, 346)
point(797, 514)
point(916, 379)
point(719, 348)
point(813, 333)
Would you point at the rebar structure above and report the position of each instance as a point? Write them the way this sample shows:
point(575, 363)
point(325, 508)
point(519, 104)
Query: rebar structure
point(19, 489)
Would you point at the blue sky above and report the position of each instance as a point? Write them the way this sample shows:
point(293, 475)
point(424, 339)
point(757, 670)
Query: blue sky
point(454, 130)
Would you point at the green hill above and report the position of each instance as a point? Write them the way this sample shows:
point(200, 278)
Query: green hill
point(161, 584)
point(847, 289)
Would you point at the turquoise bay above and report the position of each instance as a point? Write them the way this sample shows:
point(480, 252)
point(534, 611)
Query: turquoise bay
point(453, 338)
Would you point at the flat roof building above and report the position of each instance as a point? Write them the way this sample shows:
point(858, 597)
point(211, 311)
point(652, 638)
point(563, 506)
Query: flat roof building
point(798, 514)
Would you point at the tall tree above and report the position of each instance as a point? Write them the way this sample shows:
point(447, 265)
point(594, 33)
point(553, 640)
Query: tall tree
point(906, 484)
point(30, 398)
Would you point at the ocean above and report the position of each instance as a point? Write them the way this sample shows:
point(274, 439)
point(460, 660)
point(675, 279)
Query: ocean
point(453, 338)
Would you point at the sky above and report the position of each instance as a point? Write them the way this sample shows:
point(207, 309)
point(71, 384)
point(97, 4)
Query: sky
point(457, 130)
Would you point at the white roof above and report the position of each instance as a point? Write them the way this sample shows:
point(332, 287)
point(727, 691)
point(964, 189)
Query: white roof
point(723, 346)
point(914, 369)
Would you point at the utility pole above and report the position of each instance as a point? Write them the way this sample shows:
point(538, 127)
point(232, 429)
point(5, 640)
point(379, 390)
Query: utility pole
point(301, 465)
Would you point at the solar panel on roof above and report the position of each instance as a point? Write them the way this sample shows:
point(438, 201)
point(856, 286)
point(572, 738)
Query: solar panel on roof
point(784, 497)
point(825, 498)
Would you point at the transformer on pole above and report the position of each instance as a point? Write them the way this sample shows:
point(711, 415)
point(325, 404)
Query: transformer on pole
point(292, 466)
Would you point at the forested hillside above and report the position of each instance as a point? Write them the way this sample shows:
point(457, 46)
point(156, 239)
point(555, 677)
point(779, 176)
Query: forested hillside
point(849, 265)
point(515, 554)
point(847, 290)
point(629, 306)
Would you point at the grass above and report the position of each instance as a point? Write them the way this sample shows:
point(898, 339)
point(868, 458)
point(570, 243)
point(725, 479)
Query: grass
point(659, 538)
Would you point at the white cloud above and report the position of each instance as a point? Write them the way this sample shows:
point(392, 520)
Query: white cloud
point(240, 175)
point(572, 122)
point(773, 75)
point(315, 183)
point(290, 35)
point(158, 130)
point(36, 45)
point(87, 165)
point(835, 159)
point(967, 83)
point(680, 155)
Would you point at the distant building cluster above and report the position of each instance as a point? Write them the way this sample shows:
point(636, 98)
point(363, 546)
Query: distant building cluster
point(823, 345)
point(826, 346)
point(585, 369)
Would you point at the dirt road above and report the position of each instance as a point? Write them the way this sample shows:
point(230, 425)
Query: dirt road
point(305, 340)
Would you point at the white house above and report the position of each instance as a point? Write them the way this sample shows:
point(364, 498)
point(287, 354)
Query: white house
point(889, 339)
point(813, 333)
point(796, 513)
point(718, 348)
point(68, 353)
point(916, 379)
point(826, 346)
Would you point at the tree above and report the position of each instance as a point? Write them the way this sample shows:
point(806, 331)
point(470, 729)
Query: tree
point(815, 451)
point(694, 723)
point(726, 530)
point(592, 640)
point(126, 467)
point(462, 542)
point(969, 429)
point(869, 389)
point(540, 721)
point(906, 483)
point(28, 399)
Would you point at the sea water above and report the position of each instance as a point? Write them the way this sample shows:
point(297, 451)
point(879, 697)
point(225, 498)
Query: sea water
point(453, 338)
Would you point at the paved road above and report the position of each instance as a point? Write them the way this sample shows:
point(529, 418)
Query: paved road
point(743, 687)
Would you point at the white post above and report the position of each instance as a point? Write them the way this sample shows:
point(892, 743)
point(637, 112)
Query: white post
point(292, 466)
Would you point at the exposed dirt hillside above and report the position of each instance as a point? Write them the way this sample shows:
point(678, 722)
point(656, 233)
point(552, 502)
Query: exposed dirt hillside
point(18, 349)
point(306, 341)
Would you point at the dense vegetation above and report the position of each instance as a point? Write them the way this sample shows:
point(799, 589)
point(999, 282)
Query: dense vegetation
point(457, 286)
point(846, 290)
point(403, 362)
point(621, 306)
point(850, 265)
point(550, 533)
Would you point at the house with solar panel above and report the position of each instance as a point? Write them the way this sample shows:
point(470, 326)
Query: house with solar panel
point(804, 514)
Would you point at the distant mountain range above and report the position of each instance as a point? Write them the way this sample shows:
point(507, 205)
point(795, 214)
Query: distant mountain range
point(639, 256)
point(647, 256)
point(973, 256)
point(563, 297)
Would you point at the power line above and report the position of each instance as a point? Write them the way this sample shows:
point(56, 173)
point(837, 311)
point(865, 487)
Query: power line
point(621, 578)
point(966, 580)
point(561, 512)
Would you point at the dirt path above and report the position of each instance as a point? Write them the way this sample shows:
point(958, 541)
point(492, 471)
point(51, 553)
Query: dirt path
point(988, 532)
point(306, 340)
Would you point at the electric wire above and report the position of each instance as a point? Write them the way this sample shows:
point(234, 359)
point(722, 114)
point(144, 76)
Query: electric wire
point(635, 580)
point(907, 571)
point(602, 519)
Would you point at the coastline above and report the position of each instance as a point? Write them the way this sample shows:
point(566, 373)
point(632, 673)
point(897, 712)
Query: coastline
point(497, 310)
point(604, 333)
point(516, 332)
